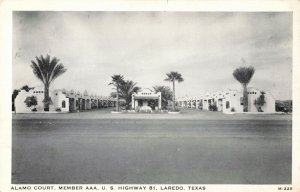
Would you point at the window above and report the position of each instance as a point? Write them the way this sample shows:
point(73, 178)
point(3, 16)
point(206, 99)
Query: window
point(227, 104)
point(63, 104)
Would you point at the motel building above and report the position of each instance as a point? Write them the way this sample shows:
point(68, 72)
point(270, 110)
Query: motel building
point(146, 101)
point(229, 101)
point(62, 101)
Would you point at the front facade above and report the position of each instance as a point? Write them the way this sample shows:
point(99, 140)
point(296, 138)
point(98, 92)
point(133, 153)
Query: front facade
point(229, 101)
point(146, 100)
point(62, 101)
point(38, 93)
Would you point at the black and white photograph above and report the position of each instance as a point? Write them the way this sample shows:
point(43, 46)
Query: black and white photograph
point(152, 98)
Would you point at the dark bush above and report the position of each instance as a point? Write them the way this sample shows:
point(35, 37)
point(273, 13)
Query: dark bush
point(284, 106)
point(213, 107)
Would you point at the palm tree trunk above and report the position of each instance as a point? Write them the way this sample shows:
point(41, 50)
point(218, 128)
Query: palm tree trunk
point(46, 98)
point(173, 95)
point(117, 104)
point(245, 98)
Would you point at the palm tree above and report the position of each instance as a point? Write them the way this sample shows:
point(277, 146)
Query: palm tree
point(174, 76)
point(166, 94)
point(117, 81)
point(244, 75)
point(47, 70)
point(126, 90)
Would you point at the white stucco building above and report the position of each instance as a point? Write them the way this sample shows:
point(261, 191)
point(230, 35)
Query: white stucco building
point(37, 92)
point(146, 100)
point(62, 101)
point(229, 101)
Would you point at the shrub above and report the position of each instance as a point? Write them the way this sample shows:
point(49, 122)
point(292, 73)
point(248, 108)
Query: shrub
point(213, 107)
point(284, 106)
point(176, 110)
point(260, 101)
point(232, 109)
point(31, 101)
point(58, 110)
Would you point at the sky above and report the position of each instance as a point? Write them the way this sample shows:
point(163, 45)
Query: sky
point(205, 47)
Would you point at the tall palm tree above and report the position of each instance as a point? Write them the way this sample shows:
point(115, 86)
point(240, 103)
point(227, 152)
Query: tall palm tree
point(117, 81)
point(172, 77)
point(244, 75)
point(47, 70)
point(166, 94)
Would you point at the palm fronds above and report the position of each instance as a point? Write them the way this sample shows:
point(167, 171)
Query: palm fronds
point(47, 69)
point(174, 76)
point(244, 74)
point(166, 94)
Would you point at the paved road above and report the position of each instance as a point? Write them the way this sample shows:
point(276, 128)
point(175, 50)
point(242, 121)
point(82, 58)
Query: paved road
point(148, 151)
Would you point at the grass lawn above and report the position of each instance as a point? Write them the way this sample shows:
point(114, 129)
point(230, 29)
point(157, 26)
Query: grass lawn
point(193, 147)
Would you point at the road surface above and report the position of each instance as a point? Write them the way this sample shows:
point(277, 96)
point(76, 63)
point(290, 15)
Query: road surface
point(151, 151)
